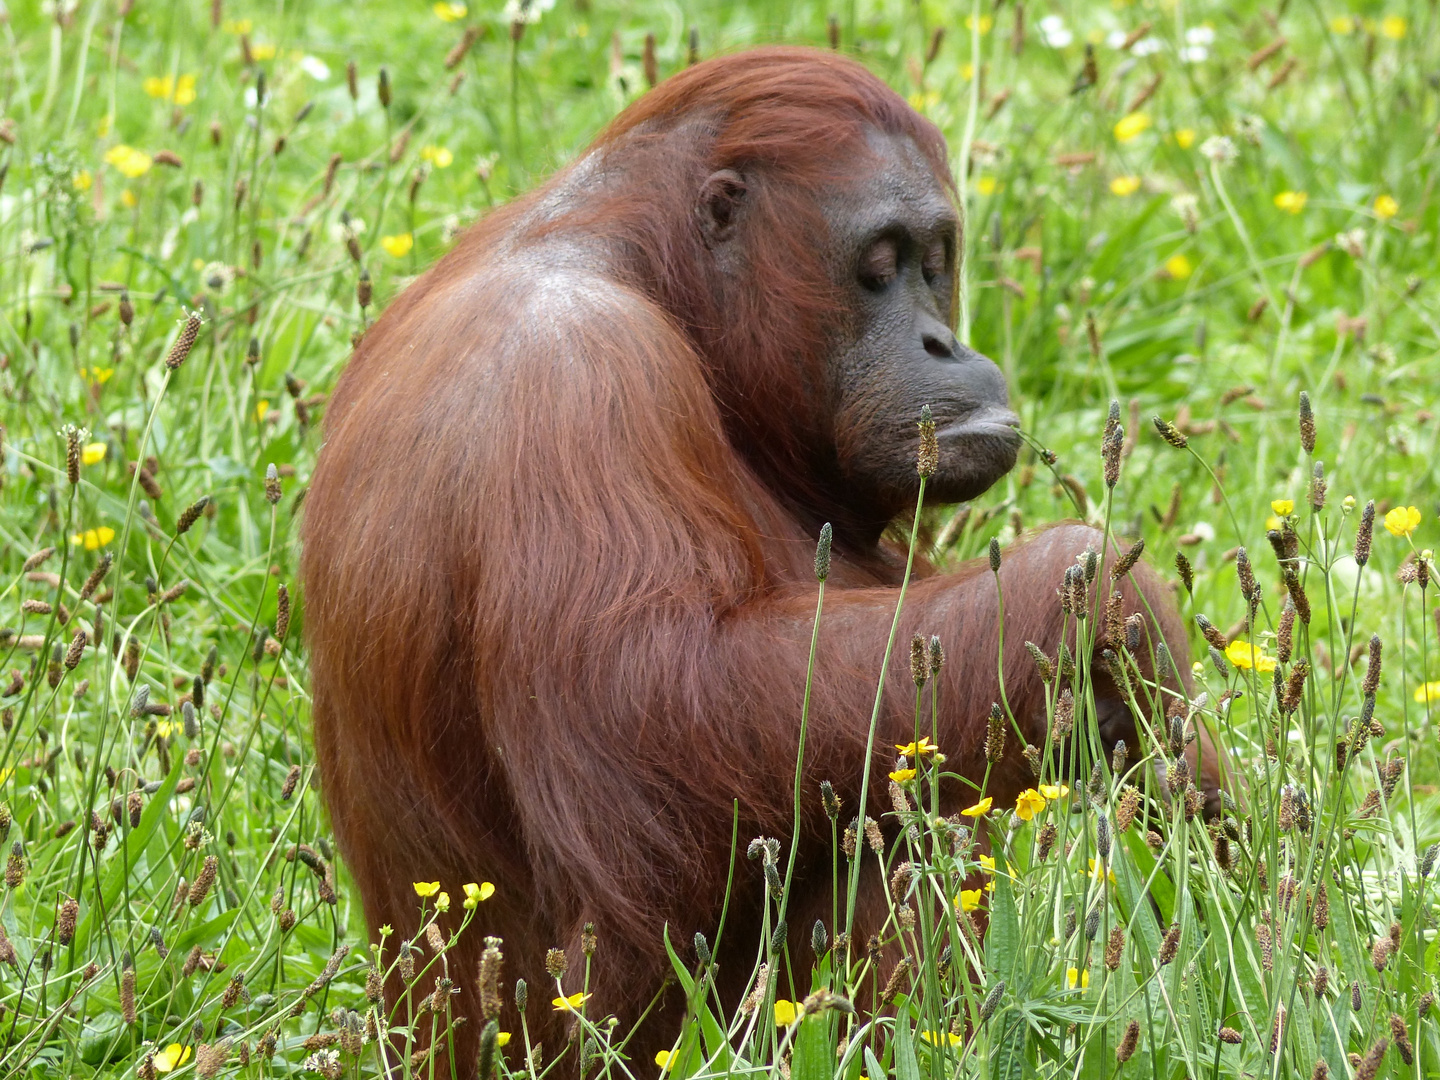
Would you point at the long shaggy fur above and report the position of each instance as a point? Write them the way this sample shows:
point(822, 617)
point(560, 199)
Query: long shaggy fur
point(558, 556)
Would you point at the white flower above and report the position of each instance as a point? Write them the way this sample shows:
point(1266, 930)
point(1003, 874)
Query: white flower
point(1055, 33)
point(1352, 242)
point(1187, 207)
point(342, 230)
point(526, 11)
point(1116, 38)
point(315, 67)
point(1250, 128)
point(1200, 35)
point(1194, 54)
point(1147, 46)
point(1218, 149)
point(1204, 530)
point(217, 276)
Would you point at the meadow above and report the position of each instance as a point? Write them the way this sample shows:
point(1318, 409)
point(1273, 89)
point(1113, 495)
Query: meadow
point(1201, 242)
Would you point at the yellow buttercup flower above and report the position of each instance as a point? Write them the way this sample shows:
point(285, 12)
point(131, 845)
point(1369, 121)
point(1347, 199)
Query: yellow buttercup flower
point(569, 1004)
point(82, 180)
point(93, 539)
point(1027, 804)
point(1178, 267)
point(171, 1058)
point(1124, 185)
point(502, 1039)
point(901, 775)
point(1282, 507)
point(237, 26)
point(1054, 791)
point(92, 453)
point(399, 245)
point(168, 88)
point(1074, 977)
point(129, 161)
point(970, 899)
point(1245, 655)
point(1097, 867)
point(980, 808)
point(1292, 201)
point(474, 894)
point(1185, 138)
point(439, 156)
point(1131, 126)
point(426, 889)
point(918, 749)
point(1393, 27)
point(1341, 24)
point(451, 12)
point(128, 199)
point(662, 1058)
point(263, 52)
point(1402, 521)
point(97, 375)
point(1427, 692)
point(785, 1013)
point(986, 185)
point(987, 863)
point(262, 407)
point(165, 728)
point(986, 22)
point(1386, 207)
point(442, 902)
point(940, 1038)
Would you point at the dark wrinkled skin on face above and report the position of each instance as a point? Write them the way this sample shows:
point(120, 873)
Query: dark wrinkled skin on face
point(896, 244)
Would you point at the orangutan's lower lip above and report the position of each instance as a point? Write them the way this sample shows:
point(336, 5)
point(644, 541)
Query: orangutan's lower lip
point(986, 421)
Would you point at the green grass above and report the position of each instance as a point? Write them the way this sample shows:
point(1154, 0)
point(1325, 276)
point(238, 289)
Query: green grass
point(1194, 296)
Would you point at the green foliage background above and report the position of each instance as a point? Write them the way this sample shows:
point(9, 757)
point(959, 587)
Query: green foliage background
point(168, 157)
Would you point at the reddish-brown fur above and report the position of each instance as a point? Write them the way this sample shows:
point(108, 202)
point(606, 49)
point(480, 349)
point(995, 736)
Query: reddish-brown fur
point(558, 557)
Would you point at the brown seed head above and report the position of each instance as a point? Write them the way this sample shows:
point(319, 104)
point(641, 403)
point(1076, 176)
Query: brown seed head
point(1230, 1036)
point(185, 342)
point(204, 880)
point(1322, 981)
point(65, 920)
point(1401, 1036)
point(1285, 632)
point(75, 651)
point(1186, 571)
point(927, 459)
point(1370, 1064)
point(1170, 944)
point(272, 484)
point(1371, 682)
point(72, 453)
point(1129, 1042)
point(282, 612)
point(191, 514)
point(210, 1058)
point(919, 661)
point(1115, 948)
point(556, 964)
point(1045, 840)
point(1127, 562)
point(1171, 434)
point(995, 735)
point(1364, 534)
point(492, 963)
